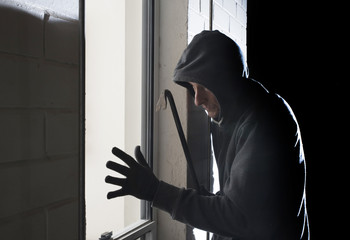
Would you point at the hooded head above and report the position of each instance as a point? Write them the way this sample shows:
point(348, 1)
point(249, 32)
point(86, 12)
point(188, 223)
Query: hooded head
point(214, 61)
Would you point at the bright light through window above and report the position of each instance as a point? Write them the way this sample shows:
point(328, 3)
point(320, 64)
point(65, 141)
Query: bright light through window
point(113, 106)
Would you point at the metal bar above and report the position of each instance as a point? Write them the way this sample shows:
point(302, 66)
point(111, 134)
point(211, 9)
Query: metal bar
point(168, 95)
point(147, 91)
point(82, 83)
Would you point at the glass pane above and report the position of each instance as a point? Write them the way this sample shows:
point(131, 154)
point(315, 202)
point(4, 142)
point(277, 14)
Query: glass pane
point(113, 107)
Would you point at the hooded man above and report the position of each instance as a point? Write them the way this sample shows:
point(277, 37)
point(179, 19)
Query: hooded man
point(257, 146)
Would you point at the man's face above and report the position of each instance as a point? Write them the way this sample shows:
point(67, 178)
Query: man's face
point(206, 99)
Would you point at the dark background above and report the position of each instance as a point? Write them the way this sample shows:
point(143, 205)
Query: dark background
point(295, 49)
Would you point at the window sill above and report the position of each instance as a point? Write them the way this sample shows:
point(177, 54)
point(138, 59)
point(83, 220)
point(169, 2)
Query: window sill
point(136, 230)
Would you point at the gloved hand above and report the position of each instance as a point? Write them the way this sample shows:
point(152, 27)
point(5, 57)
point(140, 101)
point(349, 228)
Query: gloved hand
point(140, 181)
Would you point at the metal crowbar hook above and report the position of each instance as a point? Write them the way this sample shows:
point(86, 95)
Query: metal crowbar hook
point(162, 104)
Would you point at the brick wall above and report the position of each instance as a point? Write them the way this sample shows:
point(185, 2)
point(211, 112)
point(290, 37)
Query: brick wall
point(39, 123)
point(198, 17)
point(227, 16)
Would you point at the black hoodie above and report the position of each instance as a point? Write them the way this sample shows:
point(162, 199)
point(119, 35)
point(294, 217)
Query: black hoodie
point(257, 147)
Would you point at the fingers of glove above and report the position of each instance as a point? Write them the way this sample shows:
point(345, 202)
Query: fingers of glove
point(118, 168)
point(123, 156)
point(115, 181)
point(140, 158)
point(118, 193)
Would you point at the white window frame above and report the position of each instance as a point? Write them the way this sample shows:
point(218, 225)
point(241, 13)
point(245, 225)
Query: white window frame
point(143, 228)
point(146, 227)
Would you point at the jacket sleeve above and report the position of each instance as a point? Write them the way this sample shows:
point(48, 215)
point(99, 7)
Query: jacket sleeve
point(219, 214)
point(216, 214)
point(250, 203)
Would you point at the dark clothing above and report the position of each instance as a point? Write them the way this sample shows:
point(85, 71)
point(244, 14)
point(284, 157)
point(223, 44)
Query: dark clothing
point(258, 150)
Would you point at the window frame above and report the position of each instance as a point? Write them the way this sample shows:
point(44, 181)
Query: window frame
point(140, 229)
point(147, 118)
point(146, 227)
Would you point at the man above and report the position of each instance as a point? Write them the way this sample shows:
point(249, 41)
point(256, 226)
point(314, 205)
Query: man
point(257, 146)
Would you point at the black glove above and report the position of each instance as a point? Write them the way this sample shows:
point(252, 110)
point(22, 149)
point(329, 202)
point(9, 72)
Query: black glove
point(140, 181)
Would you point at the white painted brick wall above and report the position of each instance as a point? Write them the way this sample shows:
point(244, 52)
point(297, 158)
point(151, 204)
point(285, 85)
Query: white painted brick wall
point(39, 122)
point(229, 17)
point(198, 17)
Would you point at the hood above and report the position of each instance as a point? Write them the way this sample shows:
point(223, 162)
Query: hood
point(215, 61)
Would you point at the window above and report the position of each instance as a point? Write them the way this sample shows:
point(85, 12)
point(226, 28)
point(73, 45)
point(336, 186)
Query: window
point(119, 110)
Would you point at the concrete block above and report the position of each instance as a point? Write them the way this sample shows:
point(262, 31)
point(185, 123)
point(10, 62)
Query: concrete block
point(62, 133)
point(242, 16)
point(27, 83)
point(244, 4)
point(28, 226)
point(244, 36)
point(219, 2)
point(206, 24)
point(194, 5)
point(221, 18)
point(33, 185)
point(196, 23)
point(235, 28)
point(53, 181)
point(21, 31)
point(14, 191)
point(59, 86)
point(63, 222)
point(16, 81)
point(22, 136)
point(62, 40)
point(205, 8)
point(231, 7)
point(217, 27)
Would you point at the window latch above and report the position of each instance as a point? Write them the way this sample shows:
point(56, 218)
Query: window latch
point(106, 236)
